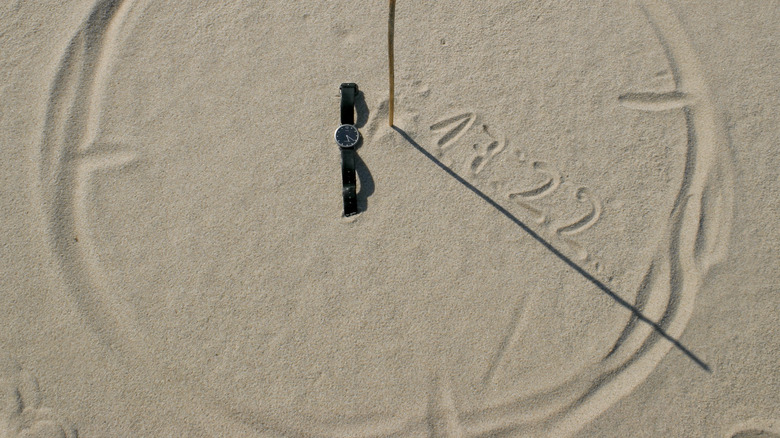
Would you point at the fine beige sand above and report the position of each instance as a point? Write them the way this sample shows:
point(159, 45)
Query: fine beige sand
point(570, 230)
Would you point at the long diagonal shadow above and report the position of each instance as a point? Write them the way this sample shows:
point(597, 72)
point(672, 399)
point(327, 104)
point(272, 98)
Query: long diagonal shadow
point(603, 287)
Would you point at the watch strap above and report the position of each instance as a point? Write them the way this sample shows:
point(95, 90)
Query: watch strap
point(349, 181)
point(348, 93)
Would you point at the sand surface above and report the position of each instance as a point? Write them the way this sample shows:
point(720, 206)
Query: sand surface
point(571, 230)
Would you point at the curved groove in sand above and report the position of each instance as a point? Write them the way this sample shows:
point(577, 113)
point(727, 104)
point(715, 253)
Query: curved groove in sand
point(700, 228)
point(66, 167)
point(707, 147)
point(696, 237)
point(69, 157)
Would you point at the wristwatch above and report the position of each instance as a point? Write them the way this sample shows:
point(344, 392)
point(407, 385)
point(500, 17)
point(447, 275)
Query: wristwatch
point(347, 137)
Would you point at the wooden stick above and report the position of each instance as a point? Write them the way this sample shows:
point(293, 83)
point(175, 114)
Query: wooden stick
point(390, 58)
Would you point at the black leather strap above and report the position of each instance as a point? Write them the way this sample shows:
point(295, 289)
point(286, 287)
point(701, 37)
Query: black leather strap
point(348, 177)
point(348, 93)
point(349, 180)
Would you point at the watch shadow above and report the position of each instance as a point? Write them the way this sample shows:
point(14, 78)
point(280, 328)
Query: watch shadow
point(361, 109)
point(573, 265)
point(366, 187)
point(366, 183)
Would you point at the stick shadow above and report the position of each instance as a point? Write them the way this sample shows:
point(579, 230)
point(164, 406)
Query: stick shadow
point(593, 280)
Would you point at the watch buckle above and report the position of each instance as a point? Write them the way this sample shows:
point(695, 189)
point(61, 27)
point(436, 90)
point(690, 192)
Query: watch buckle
point(349, 85)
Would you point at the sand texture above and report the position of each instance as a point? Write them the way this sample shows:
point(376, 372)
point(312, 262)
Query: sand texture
point(571, 230)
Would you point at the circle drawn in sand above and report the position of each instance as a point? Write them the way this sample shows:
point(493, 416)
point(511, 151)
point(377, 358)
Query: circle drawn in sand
point(73, 152)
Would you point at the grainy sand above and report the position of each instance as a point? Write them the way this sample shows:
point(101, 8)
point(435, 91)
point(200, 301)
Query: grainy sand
point(571, 230)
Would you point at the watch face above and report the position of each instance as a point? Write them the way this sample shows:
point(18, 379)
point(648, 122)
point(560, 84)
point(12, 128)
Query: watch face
point(347, 136)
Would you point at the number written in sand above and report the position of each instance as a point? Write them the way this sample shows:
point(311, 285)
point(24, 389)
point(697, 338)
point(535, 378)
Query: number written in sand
point(568, 229)
point(457, 125)
point(525, 196)
point(483, 156)
point(547, 181)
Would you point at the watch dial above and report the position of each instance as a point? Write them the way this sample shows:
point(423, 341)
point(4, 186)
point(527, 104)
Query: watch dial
point(347, 136)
